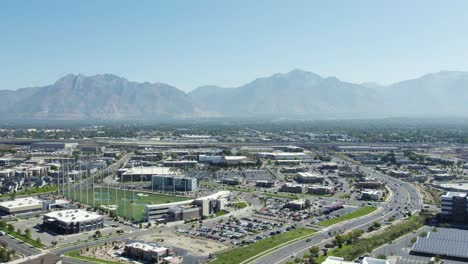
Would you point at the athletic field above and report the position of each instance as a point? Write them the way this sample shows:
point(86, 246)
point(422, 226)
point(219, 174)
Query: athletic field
point(130, 204)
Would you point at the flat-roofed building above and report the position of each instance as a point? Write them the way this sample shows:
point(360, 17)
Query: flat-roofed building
point(150, 253)
point(266, 183)
point(233, 180)
point(73, 221)
point(321, 190)
point(296, 204)
point(292, 188)
point(180, 163)
point(329, 166)
point(53, 146)
point(309, 177)
point(234, 160)
point(145, 173)
point(454, 207)
point(21, 205)
point(174, 183)
point(373, 195)
point(282, 155)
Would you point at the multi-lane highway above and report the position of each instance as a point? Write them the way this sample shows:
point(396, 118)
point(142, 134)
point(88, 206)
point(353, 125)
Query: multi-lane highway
point(405, 198)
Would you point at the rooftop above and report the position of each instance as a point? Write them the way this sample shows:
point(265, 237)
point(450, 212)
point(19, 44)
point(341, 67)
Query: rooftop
point(150, 170)
point(73, 215)
point(445, 242)
point(455, 194)
point(147, 247)
point(21, 202)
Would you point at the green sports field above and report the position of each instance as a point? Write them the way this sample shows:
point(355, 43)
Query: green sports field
point(130, 204)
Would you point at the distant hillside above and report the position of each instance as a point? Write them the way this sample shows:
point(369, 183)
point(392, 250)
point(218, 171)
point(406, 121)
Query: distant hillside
point(101, 97)
point(296, 94)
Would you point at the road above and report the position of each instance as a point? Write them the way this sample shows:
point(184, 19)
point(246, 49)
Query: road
point(404, 195)
point(18, 246)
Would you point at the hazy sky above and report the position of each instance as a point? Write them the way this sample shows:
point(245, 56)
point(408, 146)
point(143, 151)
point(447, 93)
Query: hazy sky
point(228, 43)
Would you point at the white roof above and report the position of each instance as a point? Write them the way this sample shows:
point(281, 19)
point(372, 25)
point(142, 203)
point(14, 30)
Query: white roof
point(147, 247)
point(21, 202)
point(150, 170)
point(218, 195)
point(235, 157)
point(310, 174)
point(73, 215)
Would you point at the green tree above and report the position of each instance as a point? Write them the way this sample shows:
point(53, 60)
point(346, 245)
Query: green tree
point(11, 228)
point(27, 233)
point(314, 251)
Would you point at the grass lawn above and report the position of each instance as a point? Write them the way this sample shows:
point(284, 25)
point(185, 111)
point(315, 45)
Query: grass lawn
point(220, 213)
point(23, 238)
point(33, 191)
point(358, 213)
point(76, 254)
point(240, 205)
point(284, 196)
point(368, 244)
point(131, 204)
point(238, 255)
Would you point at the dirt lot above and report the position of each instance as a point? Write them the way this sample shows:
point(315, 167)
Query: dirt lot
point(195, 246)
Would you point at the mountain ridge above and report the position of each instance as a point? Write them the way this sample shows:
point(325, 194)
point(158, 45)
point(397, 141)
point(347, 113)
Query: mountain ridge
point(296, 93)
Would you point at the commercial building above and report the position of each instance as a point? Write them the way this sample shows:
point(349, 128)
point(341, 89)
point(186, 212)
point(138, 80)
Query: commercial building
point(329, 166)
point(296, 204)
point(145, 173)
point(366, 260)
point(372, 195)
point(266, 183)
point(292, 188)
point(282, 155)
point(320, 190)
point(233, 180)
point(204, 206)
point(234, 160)
point(367, 148)
point(73, 221)
point(215, 159)
point(309, 177)
point(20, 205)
point(52, 146)
point(288, 148)
point(150, 253)
point(370, 183)
point(400, 174)
point(454, 207)
point(448, 243)
point(180, 163)
point(174, 183)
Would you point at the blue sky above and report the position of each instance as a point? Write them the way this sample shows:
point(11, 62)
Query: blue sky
point(228, 43)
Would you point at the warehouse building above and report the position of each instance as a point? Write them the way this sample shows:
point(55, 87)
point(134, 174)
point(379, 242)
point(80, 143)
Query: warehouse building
point(53, 146)
point(73, 221)
point(20, 205)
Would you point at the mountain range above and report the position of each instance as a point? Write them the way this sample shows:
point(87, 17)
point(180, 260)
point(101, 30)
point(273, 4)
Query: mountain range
point(296, 94)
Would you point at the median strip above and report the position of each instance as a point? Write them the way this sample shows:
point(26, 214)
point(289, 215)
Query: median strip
point(248, 253)
point(358, 213)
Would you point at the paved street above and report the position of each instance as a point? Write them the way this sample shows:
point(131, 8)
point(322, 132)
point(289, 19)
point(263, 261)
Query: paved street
point(405, 195)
